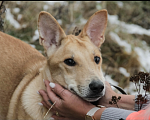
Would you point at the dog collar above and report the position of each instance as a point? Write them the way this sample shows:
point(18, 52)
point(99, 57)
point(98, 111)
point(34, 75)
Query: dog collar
point(119, 88)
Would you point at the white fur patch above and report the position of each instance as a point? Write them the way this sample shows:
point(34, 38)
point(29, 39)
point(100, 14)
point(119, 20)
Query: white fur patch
point(51, 50)
point(31, 101)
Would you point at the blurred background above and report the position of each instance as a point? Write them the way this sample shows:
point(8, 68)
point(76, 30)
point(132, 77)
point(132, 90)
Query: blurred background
point(126, 49)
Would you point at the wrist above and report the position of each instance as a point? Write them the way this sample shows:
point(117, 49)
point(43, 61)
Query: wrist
point(106, 99)
point(94, 113)
point(98, 113)
point(126, 102)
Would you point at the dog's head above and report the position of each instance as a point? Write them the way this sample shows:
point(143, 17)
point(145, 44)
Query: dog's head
point(75, 61)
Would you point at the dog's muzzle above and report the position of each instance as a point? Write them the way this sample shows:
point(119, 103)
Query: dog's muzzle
point(94, 91)
point(96, 86)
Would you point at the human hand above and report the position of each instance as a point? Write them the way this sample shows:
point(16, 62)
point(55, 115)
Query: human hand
point(108, 96)
point(68, 105)
point(126, 101)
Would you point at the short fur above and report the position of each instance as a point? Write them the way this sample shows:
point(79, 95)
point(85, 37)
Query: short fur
point(23, 68)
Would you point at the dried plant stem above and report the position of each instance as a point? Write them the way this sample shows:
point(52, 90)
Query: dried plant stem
point(141, 80)
point(1, 4)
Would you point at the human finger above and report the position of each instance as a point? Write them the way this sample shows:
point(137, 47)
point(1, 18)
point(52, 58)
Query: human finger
point(52, 96)
point(45, 98)
point(60, 91)
point(44, 104)
point(60, 117)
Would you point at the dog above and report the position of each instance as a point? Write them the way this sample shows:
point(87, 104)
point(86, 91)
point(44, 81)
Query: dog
point(71, 61)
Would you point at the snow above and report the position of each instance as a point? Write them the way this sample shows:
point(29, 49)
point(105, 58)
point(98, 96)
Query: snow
point(76, 5)
point(124, 72)
point(45, 7)
point(143, 54)
point(129, 28)
point(40, 51)
point(53, 2)
point(131, 89)
point(110, 80)
point(18, 2)
point(11, 19)
point(83, 21)
point(19, 17)
point(98, 7)
point(14, 22)
point(135, 29)
point(120, 4)
point(59, 21)
point(98, 1)
point(143, 57)
point(119, 41)
point(143, 51)
point(24, 25)
point(36, 35)
point(16, 10)
point(32, 45)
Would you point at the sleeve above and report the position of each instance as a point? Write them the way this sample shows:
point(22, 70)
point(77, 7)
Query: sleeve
point(115, 114)
point(120, 114)
point(144, 105)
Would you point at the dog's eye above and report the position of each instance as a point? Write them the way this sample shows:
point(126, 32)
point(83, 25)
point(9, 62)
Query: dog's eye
point(97, 59)
point(70, 62)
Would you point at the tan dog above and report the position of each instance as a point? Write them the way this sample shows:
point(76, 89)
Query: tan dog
point(72, 61)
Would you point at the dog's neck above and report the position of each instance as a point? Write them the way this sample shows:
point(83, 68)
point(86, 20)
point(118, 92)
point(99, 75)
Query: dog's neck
point(46, 75)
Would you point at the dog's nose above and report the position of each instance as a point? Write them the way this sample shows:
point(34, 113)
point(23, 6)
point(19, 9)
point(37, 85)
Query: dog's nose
point(96, 86)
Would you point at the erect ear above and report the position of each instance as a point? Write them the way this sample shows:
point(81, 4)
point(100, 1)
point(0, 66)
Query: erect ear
point(95, 27)
point(50, 32)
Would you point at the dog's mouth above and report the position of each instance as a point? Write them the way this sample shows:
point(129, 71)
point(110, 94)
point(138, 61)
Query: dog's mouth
point(90, 97)
point(93, 97)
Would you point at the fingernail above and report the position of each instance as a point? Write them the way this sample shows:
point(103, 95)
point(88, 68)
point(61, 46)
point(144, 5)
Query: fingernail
point(40, 104)
point(52, 85)
point(38, 92)
point(51, 118)
point(44, 82)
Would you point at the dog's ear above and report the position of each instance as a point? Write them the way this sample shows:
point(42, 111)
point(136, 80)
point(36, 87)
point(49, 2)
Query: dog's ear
point(50, 32)
point(95, 27)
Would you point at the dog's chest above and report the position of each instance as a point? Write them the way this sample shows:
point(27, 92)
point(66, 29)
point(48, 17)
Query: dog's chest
point(30, 99)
